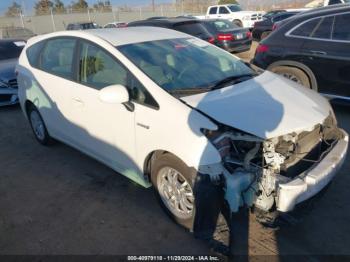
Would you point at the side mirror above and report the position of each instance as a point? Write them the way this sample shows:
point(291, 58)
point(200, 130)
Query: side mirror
point(114, 94)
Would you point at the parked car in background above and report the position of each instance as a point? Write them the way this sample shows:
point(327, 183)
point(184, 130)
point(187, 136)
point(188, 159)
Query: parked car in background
point(10, 50)
point(15, 33)
point(273, 12)
point(186, 25)
point(235, 14)
point(229, 36)
point(116, 25)
point(167, 109)
point(82, 26)
point(313, 49)
point(263, 28)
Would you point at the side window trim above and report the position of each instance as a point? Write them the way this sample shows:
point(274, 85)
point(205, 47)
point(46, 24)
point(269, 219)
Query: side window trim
point(289, 33)
point(130, 75)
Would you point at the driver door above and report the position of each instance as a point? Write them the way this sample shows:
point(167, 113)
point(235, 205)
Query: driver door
point(105, 131)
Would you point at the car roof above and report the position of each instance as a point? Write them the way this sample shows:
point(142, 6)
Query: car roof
point(120, 36)
point(324, 10)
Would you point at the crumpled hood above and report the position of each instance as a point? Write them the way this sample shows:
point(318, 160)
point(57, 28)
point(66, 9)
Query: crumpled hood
point(7, 69)
point(266, 106)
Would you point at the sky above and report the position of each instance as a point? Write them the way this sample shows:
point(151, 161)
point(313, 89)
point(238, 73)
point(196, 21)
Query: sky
point(30, 3)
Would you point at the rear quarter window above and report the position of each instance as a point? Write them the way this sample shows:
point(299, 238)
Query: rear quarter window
point(306, 29)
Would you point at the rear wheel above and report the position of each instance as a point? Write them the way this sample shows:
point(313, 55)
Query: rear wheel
point(238, 23)
point(265, 34)
point(173, 182)
point(38, 126)
point(294, 74)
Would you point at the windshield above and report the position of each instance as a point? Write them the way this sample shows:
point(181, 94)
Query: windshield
point(234, 8)
point(185, 64)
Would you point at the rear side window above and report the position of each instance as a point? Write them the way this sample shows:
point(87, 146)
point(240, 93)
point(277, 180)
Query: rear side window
point(33, 53)
point(223, 10)
point(341, 29)
point(213, 10)
point(324, 29)
point(57, 57)
point(306, 29)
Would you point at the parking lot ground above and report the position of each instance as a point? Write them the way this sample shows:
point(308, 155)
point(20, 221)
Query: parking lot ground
point(56, 200)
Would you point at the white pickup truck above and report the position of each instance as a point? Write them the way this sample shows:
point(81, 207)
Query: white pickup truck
point(235, 14)
point(320, 3)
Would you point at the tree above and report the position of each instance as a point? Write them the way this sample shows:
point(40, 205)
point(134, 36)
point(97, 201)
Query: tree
point(226, 2)
point(59, 7)
point(13, 10)
point(103, 6)
point(43, 7)
point(80, 5)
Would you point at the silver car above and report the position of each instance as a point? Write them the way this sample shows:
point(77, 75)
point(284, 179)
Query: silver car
point(9, 53)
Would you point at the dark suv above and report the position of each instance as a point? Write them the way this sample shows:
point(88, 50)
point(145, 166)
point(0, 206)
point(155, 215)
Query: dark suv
point(312, 48)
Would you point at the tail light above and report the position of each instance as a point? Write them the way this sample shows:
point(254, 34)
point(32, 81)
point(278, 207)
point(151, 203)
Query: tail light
point(249, 34)
point(211, 40)
point(223, 37)
point(275, 26)
point(262, 49)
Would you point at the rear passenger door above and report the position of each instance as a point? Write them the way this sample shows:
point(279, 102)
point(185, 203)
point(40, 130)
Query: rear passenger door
point(224, 13)
point(327, 53)
point(53, 83)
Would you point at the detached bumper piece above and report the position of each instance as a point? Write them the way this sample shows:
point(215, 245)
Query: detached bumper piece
point(312, 181)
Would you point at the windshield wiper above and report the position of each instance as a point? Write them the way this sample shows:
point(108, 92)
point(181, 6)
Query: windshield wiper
point(189, 91)
point(232, 80)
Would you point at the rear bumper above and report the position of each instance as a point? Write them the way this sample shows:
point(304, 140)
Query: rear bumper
point(236, 46)
point(313, 180)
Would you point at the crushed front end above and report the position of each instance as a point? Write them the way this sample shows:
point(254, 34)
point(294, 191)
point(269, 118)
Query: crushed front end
point(273, 175)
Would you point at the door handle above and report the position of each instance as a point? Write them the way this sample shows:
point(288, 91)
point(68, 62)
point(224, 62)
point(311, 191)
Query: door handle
point(78, 102)
point(318, 52)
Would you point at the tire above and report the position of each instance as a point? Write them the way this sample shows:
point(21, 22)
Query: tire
point(265, 34)
point(38, 126)
point(165, 167)
point(238, 23)
point(294, 74)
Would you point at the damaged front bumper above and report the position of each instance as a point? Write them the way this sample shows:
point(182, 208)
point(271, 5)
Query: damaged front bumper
point(312, 181)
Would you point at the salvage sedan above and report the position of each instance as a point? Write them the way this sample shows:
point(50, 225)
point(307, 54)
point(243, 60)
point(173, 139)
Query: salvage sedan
point(166, 109)
point(9, 53)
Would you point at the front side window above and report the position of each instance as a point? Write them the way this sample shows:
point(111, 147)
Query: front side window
point(341, 29)
point(185, 65)
point(98, 69)
point(213, 10)
point(57, 57)
point(307, 28)
point(223, 10)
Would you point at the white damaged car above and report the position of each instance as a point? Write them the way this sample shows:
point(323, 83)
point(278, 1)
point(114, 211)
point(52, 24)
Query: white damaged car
point(169, 110)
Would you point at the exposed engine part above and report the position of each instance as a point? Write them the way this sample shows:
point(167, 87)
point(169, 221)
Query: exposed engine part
point(254, 169)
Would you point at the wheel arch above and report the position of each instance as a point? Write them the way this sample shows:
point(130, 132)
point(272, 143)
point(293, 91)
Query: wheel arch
point(301, 66)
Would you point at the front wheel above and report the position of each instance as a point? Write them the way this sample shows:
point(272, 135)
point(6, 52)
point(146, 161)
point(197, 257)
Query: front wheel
point(38, 126)
point(294, 74)
point(173, 182)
